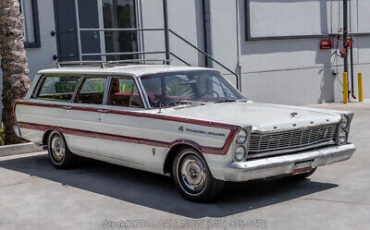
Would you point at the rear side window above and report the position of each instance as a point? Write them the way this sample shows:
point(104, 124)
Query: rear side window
point(91, 91)
point(124, 92)
point(58, 88)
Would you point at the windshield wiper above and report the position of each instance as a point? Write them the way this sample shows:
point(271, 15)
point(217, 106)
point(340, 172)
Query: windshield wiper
point(173, 104)
point(180, 103)
point(187, 104)
point(226, 100)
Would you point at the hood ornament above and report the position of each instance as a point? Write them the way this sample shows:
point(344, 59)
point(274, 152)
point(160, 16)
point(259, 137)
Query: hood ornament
point(294, 114)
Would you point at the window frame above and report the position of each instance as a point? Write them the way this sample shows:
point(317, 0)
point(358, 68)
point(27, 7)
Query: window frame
point(80, 85)
point(36, 26)
point(137, 82)
point(138, 34)
point(138, 87)
point(164, 74)
point(42, 80)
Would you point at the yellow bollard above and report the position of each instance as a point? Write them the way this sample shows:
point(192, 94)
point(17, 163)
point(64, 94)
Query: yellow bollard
point(345, 88)
point(360, 89)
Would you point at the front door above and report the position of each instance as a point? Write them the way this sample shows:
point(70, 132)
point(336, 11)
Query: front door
point(95, 45)
point(125, 131)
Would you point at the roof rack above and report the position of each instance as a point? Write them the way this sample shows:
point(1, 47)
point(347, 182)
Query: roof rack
point(104, 64)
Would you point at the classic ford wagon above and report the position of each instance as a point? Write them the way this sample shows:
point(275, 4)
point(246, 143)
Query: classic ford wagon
point(187, 122)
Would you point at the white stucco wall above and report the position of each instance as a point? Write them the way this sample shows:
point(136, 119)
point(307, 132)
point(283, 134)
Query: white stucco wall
point(184, 19)
point(40, 58)
point(293, 71)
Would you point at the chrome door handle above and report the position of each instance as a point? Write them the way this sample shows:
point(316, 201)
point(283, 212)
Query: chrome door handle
point(67, 107)
point(102, 110)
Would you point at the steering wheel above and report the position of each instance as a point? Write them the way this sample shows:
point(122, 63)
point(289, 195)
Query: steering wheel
point(208, 92)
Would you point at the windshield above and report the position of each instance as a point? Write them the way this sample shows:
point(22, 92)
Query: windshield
point(169, 89)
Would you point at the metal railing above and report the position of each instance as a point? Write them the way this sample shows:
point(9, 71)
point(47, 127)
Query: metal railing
point(167, 50)
point(103, 64)
point(81, 55)
point(208, 56)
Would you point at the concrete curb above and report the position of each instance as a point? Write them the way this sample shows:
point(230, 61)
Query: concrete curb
point(8, 150)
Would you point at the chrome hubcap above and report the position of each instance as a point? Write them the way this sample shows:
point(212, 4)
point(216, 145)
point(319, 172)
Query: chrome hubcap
point(58, 148)
point(193, 174)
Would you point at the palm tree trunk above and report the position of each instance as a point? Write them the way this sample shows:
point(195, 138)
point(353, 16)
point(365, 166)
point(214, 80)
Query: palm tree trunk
point(13, 63)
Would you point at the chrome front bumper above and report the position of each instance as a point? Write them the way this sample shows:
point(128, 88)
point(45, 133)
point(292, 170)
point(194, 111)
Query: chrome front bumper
point(287, 164)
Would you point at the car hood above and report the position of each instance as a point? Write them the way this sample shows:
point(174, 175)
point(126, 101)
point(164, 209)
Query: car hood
point(260, 116)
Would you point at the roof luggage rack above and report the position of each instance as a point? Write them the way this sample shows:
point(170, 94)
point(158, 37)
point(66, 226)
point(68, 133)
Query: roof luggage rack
point(104, 64)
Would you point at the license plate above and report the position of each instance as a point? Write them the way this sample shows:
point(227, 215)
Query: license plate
point(302, 167)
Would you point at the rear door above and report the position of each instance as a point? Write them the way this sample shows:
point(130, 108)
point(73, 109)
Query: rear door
point(70, 104)
point(82, 116)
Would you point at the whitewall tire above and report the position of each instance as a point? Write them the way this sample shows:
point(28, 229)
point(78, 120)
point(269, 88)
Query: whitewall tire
point(59, 154)
point(193, 177)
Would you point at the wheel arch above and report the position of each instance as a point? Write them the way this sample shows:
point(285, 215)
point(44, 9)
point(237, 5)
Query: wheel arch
point(175, 149)
point(47, 134)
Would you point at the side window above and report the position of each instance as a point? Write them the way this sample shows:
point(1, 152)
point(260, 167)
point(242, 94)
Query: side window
point(91, 90)
point(124, 92)
point(58, 88)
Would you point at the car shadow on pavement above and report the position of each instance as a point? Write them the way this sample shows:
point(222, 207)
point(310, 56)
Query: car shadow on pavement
point(158, 192)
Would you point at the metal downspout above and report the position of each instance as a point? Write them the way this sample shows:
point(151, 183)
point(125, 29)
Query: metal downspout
point(207, 31)
point(345, 35)
point(238, 66)
point(166, 32)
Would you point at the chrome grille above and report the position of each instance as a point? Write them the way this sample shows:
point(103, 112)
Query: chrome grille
point(290, 139)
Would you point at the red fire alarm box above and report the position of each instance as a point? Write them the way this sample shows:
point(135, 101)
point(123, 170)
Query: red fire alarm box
point(327, 44)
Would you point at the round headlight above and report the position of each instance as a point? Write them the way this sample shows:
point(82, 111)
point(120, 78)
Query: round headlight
point(344, 123)
point(342, 138)
point(240, 153)
point(242, 137)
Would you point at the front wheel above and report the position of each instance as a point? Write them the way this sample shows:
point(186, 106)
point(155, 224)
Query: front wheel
point(59, 154)
point(193, 178)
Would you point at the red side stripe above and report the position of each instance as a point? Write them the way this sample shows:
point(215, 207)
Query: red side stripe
point(85, 133)
point(139, 114)
point(205, 149)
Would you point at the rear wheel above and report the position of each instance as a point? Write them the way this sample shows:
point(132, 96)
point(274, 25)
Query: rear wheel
point(193, 178)
point(59, 154)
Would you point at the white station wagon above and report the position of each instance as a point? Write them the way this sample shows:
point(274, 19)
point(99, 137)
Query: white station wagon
point(187, 122)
